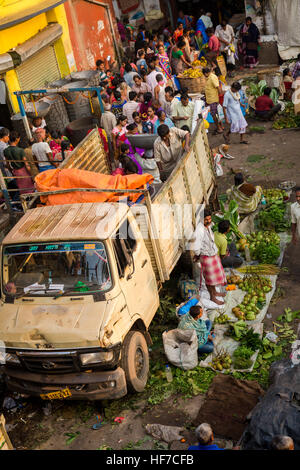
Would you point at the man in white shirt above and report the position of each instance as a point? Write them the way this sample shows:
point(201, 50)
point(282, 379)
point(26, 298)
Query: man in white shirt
point(183, 113)
point(131, 106)
point(225, 34)
point(206, 251)
point(170, 102)
point(42, 152)
point(295, 213)
point(151, 78)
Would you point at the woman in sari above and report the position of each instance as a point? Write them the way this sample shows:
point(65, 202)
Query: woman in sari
point(178, 61)
point(246, 195)
point(248, 43)
point(164, 62)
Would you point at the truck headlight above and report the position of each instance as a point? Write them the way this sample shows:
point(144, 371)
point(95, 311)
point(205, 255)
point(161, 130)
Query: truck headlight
point(94, 358)
point(6, 358)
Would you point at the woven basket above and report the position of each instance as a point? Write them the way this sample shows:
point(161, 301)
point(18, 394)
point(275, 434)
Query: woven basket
point(222, 65)
point(194, 85)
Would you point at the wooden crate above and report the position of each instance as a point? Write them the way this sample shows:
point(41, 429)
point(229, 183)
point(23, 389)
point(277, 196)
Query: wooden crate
point(222, 65)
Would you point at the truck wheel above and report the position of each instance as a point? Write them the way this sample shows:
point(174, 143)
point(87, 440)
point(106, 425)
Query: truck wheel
point(135, 361)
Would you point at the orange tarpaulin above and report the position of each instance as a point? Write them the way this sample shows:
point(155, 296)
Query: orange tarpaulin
point(54, 180)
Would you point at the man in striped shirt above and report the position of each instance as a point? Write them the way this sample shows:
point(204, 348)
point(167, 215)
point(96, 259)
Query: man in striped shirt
point(102, 75)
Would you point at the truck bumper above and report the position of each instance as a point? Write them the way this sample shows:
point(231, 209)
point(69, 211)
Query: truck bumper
point(83, 386)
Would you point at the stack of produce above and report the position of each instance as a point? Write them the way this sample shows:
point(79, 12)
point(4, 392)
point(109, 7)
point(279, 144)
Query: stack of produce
point(264, 246)
point(257, 288)
point(200, 63)
point(234, 279)
point(273, 217)
point(249, 341)
point(260, 269)
point(191, 73)
point(221, 319)
point(287, 119)
point(221, 361)
point(275, 194)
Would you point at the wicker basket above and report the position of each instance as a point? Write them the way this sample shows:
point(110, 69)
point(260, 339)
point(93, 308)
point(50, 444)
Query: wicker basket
point(222, 65)
point(194, 85)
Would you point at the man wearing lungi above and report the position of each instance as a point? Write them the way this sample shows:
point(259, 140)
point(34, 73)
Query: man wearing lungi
point(206, 251)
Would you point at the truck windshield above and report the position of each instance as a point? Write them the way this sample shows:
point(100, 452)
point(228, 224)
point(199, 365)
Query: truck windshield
point(56, 269)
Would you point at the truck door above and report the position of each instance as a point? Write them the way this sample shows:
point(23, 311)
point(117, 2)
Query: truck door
point(137, 278)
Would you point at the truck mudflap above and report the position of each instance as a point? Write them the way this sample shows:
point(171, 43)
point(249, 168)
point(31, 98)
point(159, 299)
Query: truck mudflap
point(83, 386)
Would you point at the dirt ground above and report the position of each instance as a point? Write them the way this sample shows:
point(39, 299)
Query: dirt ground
point(69, 426)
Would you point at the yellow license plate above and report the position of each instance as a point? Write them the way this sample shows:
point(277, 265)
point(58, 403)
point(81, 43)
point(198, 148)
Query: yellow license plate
point(59, 395)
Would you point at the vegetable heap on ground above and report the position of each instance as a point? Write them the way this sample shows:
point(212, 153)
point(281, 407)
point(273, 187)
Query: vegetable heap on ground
point(249, 342)
point(264, 246)
point(288, 119)
point(256, 287)
point(273, 217)
point(221, 360)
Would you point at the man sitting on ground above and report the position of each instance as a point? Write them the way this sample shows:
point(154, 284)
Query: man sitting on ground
point(229, 255)
point(264, 106)
point(205, 437)
point(192, 321)
point(246, 195)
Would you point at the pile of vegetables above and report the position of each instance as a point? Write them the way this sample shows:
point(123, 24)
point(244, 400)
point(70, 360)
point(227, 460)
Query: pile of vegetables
point(273, 217)
point(237, 330)
point(221, 319)
point(221, 360)
point(232, 215)
point(257, 287)
point(257, 89)
point(260, 269)
point(249, 341)
point(275, 194)
point(288, 119)
point(264, 246)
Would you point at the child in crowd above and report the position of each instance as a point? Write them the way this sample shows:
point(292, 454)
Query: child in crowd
point(288, 81)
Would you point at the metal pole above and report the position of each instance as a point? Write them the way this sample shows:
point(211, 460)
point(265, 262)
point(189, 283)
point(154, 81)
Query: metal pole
point(24, 117)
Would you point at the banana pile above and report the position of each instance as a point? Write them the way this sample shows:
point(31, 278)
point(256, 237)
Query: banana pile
point(200, 63)
point(191, 73)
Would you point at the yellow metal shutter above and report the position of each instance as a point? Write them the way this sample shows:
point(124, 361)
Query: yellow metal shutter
point(39, 70)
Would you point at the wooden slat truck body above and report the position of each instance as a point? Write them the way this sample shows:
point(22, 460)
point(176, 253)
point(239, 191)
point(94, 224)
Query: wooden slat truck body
point(80, 281)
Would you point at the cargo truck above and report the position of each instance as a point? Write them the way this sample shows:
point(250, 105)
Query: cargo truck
point(77, 296)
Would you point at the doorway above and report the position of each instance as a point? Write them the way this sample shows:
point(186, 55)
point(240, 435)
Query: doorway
point(5, 108)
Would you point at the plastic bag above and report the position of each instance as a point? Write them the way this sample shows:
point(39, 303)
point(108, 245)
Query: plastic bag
point(218, 166)
point(181, 348)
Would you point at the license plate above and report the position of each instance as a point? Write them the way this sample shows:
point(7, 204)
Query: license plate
point(59, 395)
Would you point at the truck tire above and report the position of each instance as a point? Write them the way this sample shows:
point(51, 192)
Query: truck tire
point(135, 361)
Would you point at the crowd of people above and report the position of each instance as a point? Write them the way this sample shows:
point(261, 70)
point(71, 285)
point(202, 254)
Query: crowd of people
point(143, 96)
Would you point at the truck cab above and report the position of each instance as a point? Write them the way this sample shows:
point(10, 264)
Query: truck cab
point(78, 293)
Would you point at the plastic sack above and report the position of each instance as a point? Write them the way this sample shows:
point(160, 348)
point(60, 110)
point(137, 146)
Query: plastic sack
point(164, 433)
point(181, 348)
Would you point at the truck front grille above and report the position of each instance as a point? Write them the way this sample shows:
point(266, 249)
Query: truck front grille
point(50, 364)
